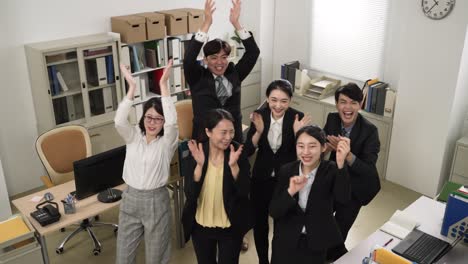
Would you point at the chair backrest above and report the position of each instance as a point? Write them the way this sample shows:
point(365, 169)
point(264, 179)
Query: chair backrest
point(184, 118)
point(60, 147)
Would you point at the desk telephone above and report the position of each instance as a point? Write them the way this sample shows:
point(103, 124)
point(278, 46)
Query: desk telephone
point(47, 214)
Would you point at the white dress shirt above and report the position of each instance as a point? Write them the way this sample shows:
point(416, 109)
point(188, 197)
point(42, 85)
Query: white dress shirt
point(275, 133)
point(305, 191)
point(147, 164)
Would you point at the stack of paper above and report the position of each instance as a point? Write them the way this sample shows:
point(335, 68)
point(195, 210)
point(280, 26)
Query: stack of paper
point(399, 225)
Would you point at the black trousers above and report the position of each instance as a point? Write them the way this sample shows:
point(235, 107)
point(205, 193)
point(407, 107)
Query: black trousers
point(261, 194)
point(345, 215)
point(298, 254)
point(223, 244)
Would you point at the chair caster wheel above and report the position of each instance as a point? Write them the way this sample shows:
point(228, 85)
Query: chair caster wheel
point(96, 218)
point(62, 229)
point(96, 251)
point(59, 251)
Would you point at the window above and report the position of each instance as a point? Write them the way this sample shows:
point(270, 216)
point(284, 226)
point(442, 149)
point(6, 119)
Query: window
point(347, 37)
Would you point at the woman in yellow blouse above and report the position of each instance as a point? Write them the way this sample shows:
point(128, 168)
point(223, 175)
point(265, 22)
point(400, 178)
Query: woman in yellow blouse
point(215, 214)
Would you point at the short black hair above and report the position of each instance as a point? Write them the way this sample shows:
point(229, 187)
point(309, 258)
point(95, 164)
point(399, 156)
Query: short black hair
point(282, 85)
point(351, 90)
point(155, 103)
point(213, 117)
point(215, 46)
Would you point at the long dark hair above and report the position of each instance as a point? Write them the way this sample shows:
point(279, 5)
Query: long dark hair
point(155, 103)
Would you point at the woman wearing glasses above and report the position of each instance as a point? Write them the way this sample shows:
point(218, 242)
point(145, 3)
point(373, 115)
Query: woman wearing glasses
point(145, 209)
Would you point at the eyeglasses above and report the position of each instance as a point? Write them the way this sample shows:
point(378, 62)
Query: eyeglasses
point(156, 120)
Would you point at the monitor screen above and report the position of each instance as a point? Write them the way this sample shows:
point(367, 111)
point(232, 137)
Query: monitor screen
point(99, 172)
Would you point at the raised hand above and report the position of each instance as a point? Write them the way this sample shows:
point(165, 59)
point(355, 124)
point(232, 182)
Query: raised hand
point(197, 152)
point(257, 120)
point(332, 142)
point(129, 78)
point(342, 150)
point(298, 124)
point(234, 155)
point(296, 183)
point(165, 76)
point(235, 14)
point(209, 10)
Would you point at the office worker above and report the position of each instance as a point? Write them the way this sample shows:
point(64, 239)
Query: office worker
point(302, 204)
point(218, 85)
point(360, 161)
point(215, 213)
point(272, 132)
point(145, 209)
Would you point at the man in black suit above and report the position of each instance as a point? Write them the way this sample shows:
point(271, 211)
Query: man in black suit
point(218, 85)
point(365, 147)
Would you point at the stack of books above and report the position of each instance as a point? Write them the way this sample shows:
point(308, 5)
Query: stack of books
point(378, 98)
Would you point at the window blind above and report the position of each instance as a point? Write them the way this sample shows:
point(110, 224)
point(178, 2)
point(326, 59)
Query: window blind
point(347, 37)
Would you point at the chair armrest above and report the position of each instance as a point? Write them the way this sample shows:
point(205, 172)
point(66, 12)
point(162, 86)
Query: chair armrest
point(46, 180)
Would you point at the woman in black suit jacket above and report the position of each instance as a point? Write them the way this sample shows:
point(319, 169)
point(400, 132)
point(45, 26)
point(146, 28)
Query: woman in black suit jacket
point(274, 150)
point(302, 206)
point(202, 81)
point(216, 210)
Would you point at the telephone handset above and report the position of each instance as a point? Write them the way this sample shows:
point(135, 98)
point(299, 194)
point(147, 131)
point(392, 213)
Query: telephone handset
point(46, 214)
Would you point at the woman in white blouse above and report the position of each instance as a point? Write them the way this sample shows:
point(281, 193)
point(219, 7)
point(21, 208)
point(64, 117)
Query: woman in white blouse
point(145, 209)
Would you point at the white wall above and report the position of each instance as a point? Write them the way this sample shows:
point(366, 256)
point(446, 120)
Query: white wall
point(457, 113)
point(27, 21)
point(428, 72)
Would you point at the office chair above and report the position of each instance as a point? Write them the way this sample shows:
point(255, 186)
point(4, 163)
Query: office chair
point(184, 118)
point(57, 150)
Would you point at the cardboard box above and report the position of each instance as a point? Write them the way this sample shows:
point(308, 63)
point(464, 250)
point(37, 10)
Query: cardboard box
point(194, 18)
point(155, 25)
point(132, 28)
point(176, 22)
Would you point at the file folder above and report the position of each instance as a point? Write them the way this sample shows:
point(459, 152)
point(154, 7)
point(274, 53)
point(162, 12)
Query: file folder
point(62, 82)
point(174, 50)
point(176, 80)
point(107, 97)
point(101, 71)
point(110, 69)
point(125, 57)
point(70, 108)
point(160, 53)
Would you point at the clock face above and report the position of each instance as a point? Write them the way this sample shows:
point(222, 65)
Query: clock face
point(437, 9)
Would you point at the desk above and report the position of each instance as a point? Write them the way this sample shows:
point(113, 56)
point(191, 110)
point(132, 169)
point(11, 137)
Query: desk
point(426, 211)
point(86, 208)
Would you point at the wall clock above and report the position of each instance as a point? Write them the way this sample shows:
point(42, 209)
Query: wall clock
point(437, 9)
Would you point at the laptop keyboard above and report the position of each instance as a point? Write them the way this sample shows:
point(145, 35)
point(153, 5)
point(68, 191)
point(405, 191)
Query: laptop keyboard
point(425, 249)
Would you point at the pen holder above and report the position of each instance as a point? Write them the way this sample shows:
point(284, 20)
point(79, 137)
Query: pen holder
point(69, 208)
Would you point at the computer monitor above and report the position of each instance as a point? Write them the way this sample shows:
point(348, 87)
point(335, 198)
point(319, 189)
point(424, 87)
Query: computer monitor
point(99, 173)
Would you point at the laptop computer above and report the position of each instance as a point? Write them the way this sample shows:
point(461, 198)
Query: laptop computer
point(423, 248)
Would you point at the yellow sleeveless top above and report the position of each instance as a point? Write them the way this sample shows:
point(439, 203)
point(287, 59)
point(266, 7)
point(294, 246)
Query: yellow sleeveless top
point(210, 209)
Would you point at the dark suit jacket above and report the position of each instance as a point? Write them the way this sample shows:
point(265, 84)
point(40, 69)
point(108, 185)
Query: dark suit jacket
point(203, 89)
point(322, 231)
point(235, 194)
point(266, 160)
point(365, 145)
